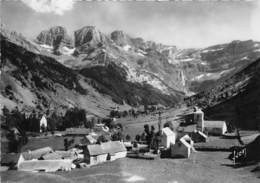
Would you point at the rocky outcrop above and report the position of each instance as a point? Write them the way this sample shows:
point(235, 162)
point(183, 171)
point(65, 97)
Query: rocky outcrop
point(55, 37)
point(169, 51)
point(89, 38)
point(120, 38)
point(139, 43)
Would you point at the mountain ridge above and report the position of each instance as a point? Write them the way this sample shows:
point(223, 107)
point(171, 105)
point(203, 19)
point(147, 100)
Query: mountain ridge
point(32, 80)
point(143, 68)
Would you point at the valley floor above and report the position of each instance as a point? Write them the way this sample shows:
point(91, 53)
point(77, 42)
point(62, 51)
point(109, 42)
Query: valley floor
point(202, 167)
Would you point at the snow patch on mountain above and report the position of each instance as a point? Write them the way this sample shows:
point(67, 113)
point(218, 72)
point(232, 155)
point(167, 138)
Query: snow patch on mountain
point(47, 47)
point(211, 50)
point(210, 76)
point(140, 54)
point(127, 47)
point(203, 63)
point(67, 51)
point(186, 59)
point(244, 58)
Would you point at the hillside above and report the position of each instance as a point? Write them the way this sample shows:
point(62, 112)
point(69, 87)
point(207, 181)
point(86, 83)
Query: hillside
point(112, 80)
point(205, 66)
point(35, 81)
point(32, 79)
point(234, 99)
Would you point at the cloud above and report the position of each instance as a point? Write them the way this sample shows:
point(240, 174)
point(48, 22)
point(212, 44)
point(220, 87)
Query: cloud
point(50, 6)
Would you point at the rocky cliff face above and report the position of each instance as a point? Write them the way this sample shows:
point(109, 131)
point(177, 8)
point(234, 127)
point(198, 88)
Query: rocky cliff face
point(143, 61)
point(120, 38)
point(55, 37)
point(89, 38)
point(160, 65)
point(202, 67)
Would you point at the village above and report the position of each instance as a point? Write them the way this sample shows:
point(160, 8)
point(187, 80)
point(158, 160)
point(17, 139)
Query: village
point(105, 141)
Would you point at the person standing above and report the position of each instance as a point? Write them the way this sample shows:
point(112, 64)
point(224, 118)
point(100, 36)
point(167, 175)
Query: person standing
point(159, 121)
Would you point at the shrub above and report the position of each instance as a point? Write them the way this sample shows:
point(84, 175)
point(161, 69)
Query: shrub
point(74, 118)
point(128, 137)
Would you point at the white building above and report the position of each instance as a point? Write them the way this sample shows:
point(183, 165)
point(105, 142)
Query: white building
point(168, 137)
point(215, 127)
point(43, 123)
point(94, 154)
point(107, 151)
point(182, 148)
point(199, 119)
point(209, 127)
point(31, 161)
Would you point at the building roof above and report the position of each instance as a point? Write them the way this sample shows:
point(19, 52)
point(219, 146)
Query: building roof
point(91, 139)
point(110, 147)
point(202, 134)
point(167, 131)
point(95, 149)
point(199, 133)
point(113, 147)
point(184, 142)
point(43, 117)
point(77, 131)
point(70, 154)
point(214, 124)
point(52, 156)
point(187, 139)
point(36, 154)
point(199, 111)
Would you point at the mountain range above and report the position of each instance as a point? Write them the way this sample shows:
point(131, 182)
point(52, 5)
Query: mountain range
point(97, 71)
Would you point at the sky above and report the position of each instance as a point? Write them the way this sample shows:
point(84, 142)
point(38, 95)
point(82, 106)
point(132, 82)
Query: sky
point(184, 24)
